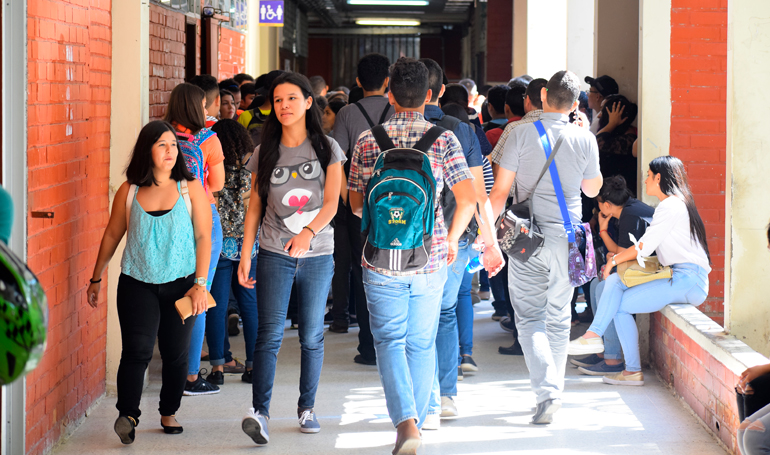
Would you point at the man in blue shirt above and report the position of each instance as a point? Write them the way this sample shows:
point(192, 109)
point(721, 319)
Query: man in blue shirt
point(447, 341)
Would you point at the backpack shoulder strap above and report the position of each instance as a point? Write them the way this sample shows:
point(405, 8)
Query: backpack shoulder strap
point(186, 196)
point(382, 138)
point(427, 140)
point(449, 122)
point(203, 135)
point(129, 202)
point(366, 116)
point(384, 115)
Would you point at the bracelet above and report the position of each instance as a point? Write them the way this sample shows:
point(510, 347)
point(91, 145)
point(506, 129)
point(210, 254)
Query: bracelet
point(311, 230)
point(603, 230)
point(95, 281)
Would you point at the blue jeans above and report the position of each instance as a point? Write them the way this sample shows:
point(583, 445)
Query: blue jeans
point(612, 349)
point(404, 312)
point(690, 284)
point(196, 342)
point(275, 275)
point(447, 341)
point(465, 311)
point(226, 278)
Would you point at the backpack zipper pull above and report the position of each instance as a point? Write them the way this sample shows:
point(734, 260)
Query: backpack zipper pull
point(390, 195)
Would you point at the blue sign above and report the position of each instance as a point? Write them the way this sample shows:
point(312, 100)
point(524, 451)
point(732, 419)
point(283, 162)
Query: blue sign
point(271, 13)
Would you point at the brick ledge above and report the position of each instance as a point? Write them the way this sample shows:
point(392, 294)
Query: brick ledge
point(727, 349)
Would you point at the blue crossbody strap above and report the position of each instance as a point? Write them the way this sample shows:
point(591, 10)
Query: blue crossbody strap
point(568, 228)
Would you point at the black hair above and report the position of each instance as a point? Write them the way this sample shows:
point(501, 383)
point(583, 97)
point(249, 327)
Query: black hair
point(224, 93)
point(563, 90)
point(185, 107)
point(521, 81)
point(356, 94)
point(484, 114)
point(240, 77)
point(630, 112)
point(235, 138)
point(321, 101)
point(455, 93)
point(343, 89)
point(409, 82)
point(615, 191)
point(514, 99)
point(373, 69)
point(496, 97)
point(209, 85)
point(139, 169)
point(456, 111)
point(318, 83)
point(336, 105)
point(249, 88)
point(534, 90)
point(468, 84)
point(673, 182)
point(484, 90)
point(272, 130)
point(339, 96)
point(230, 85)
point(435, 77)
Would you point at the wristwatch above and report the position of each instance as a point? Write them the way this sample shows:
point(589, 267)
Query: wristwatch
point(614, 264)
point(201, 281)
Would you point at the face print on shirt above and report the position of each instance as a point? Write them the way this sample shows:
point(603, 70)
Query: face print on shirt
point(299, 189)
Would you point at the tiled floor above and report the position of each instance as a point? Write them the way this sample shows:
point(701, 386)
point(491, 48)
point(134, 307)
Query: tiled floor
point(495, 407)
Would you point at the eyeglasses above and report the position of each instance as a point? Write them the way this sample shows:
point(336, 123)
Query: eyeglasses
point(593, 91)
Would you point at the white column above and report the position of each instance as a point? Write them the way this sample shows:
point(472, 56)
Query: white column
point(539, 37)
point(129, 113)
point(617, 43)
point(252, 38)
point(580, 38)
point(747, 314)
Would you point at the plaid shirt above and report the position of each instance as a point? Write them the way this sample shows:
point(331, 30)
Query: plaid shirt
point(446, 159)
point(497, 153)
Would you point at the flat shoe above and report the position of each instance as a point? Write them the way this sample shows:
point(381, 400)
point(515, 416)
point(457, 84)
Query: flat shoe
point(125, 429)
point(168, 429)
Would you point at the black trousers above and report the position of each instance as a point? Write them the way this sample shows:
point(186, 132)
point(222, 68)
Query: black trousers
point(749, 404)
point(341, 283)
point(147, 311)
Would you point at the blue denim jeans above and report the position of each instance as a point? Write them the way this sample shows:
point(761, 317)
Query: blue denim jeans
point(612, 349)
point(226, 278)
point(404, 312)
point(312, 278)
point(447, 338)
point(690, 284)
point(465, 311)
point(196, 342)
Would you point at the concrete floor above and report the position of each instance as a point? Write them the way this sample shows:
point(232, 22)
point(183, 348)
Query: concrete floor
point(495, 407)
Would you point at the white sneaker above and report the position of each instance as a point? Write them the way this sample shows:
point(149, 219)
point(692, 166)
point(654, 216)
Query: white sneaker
point(432, 422)
point(448, 408)
point(255, 426)
point(585, 346)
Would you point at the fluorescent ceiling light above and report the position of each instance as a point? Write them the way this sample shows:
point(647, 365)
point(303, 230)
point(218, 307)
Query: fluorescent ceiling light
point(388, 22)
point(389, 2)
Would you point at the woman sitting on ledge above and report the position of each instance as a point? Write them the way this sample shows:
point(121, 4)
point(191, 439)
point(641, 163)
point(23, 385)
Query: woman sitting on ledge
point(678, 236)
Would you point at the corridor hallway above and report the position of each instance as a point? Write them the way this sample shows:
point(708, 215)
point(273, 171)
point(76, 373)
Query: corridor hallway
point(495, 407)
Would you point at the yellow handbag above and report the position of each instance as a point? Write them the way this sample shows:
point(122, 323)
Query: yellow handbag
point(632, 274)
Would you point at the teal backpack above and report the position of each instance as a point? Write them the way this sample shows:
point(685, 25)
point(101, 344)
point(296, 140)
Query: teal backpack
point(399, 210)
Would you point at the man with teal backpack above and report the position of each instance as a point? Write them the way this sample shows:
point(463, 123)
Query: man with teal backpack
point(397, 173)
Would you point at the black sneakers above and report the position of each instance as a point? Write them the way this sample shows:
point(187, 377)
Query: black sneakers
point(200, 386)
point(247, 376)
point(216, 377)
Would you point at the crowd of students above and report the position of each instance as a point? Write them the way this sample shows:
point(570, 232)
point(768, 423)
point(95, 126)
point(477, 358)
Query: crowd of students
point(277, 191)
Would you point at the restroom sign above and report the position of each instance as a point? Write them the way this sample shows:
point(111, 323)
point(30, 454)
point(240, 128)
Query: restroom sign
point(271, 13)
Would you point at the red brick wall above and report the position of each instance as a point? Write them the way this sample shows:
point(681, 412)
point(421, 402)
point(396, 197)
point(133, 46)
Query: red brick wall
point(167, 56)
point(705, 384)
point(232, 53)
point(69, 64)
point(698, 120)
point(499, 40)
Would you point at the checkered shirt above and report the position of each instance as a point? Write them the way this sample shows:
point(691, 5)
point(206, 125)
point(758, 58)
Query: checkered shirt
point(497, 152)
point(447, 162)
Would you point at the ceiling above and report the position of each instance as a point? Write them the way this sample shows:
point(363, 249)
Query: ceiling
point(338, 13)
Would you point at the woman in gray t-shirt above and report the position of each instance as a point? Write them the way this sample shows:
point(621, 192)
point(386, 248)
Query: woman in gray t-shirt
point(296, 174)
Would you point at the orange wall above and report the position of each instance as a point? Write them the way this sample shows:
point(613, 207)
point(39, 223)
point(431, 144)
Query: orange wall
point(698, 121)
point(69, 64)
point(232, 53)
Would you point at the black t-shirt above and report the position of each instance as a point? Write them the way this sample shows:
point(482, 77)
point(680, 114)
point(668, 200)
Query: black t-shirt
point(634, 219)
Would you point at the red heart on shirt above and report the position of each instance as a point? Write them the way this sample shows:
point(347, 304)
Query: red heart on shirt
point(294, 201)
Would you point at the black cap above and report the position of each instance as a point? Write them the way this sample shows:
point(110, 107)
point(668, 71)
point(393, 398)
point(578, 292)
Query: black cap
point(604, 84)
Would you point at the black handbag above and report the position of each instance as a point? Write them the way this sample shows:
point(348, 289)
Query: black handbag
point(517, 231)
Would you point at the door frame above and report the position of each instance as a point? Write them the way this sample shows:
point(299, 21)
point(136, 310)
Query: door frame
point(14, 156)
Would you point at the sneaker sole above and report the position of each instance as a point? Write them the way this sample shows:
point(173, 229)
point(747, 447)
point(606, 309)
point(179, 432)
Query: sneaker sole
point(449, 414)
point(122, 429)
point(607, 380)
point(468, 368)
point(309, 430)
point(547, 416)
point(588, 372)
point(507, 329)
point(253, 429)
point(585, 349)
point(187, 393)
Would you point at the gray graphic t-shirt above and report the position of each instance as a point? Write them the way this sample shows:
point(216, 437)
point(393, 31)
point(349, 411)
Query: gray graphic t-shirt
point(295, 198)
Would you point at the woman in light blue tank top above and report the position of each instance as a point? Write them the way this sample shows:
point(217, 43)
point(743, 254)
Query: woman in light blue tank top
point(166, 257)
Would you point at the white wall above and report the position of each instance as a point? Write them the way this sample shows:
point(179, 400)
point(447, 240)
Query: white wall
point(617, 43)
point(580, 38)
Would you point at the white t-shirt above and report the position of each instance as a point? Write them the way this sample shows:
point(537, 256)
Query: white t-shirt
point(669, 236)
